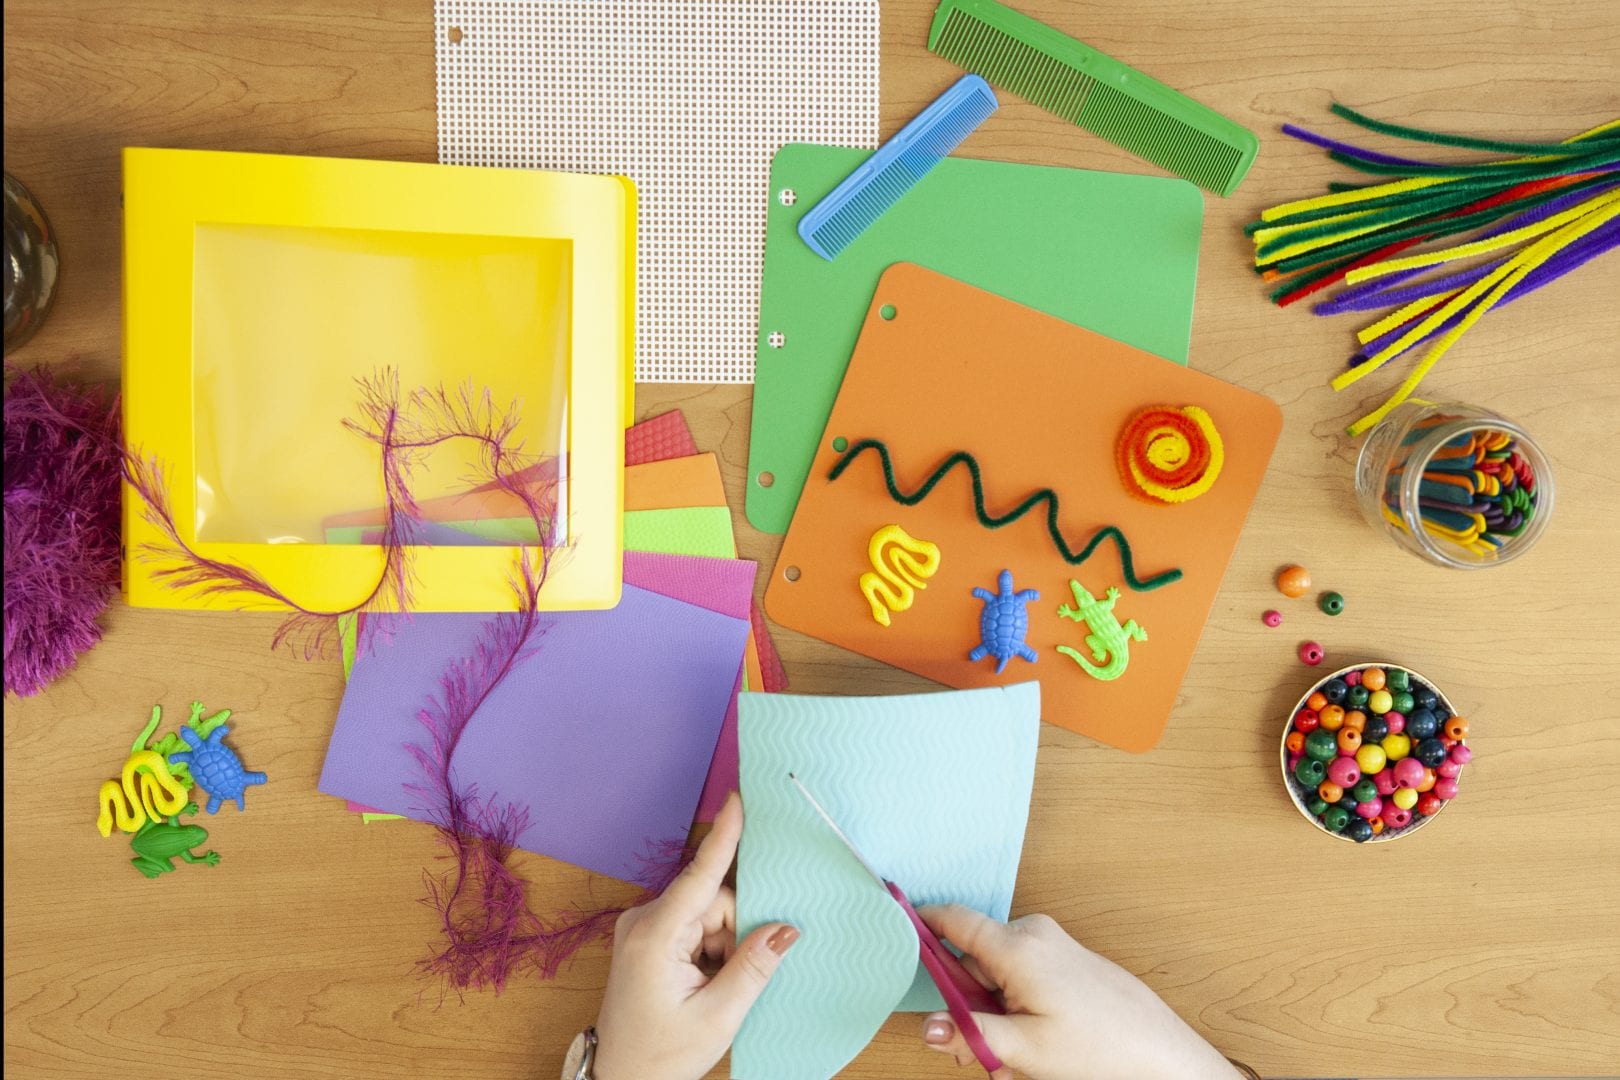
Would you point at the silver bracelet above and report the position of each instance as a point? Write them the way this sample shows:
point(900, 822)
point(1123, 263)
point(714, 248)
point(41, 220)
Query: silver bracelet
point(581, 1060)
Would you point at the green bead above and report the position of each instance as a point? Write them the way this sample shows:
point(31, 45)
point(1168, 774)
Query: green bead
point(1321, 745)
point(1366, 791)
point(1403, 702)
point(1316, 806)
point(1399, 679)
point(1335, 818)
point(1310, 772)
point(1332, 603)
point(1357, 697)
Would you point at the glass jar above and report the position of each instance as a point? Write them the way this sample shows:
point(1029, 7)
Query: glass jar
point(1454, 484)
point(30, 264)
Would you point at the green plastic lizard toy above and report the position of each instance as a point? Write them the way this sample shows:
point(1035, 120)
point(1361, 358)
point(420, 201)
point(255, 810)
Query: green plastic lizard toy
point(173, 744)
point(1107, 637)
point(157, 845)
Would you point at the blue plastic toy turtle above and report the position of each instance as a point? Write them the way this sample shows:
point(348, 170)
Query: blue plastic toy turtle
point(1003, 623)
point(215, 768)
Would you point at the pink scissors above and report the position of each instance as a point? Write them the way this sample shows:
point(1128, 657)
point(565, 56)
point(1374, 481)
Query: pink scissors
point(962, 992)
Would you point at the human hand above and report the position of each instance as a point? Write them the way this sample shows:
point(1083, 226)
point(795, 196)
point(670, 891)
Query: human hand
point(664, 1017)
point(1070, 1012)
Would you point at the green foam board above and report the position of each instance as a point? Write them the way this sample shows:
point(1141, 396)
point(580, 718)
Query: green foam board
point(1112, 252)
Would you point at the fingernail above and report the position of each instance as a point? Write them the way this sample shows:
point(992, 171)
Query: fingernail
point(782, 940)
point(938, 1031)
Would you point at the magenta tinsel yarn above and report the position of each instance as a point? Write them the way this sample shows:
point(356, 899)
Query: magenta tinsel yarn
point(63, 469)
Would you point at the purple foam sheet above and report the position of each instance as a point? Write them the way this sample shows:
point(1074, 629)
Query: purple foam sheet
point(602, 735)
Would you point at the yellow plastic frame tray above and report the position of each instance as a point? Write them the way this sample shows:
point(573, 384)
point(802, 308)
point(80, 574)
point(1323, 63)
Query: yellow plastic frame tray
point(179, 203)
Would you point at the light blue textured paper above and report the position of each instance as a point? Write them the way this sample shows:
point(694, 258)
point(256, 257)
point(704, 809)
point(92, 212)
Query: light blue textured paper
point(934, 790)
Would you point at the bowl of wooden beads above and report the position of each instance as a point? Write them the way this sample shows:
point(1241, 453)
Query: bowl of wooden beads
point(1372, 752)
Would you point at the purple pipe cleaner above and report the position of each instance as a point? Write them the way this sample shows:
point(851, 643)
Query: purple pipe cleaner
point(1354, 151)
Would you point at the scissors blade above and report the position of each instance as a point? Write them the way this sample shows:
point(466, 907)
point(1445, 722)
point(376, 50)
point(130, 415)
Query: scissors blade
point(833, 825)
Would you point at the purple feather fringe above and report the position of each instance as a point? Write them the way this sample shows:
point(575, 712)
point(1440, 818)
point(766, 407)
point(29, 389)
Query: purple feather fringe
point(62, 468)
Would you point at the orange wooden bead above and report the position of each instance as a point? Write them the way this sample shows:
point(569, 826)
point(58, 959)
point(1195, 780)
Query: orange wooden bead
point(1295, 742)
point(1356, 720)
point(1294, 581)
point(1428, 781)
point(1373, 679)
point(1457, 728)
point(1377, 825)
point(1316, 701)
point(1329, 791)
point(1349, 740)
point(1330, 721)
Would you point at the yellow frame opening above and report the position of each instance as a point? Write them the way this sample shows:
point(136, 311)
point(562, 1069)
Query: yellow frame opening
point(318, 271)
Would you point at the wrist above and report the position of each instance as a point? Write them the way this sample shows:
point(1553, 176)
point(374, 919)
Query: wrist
point(580, 1061)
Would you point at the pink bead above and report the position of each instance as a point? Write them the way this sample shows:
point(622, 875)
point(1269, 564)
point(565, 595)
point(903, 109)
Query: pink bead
point(1385, 779)
point(1396, 721)
point(1446, 787)
point(1371, 808)
point(1408, 772)
point(1272, 618)
point(1461, 754)
point(1293, 759)
point(1396, 818)
point(1310, 653)
point(1448, 768)
point(1345, 772)
point(1352, 678)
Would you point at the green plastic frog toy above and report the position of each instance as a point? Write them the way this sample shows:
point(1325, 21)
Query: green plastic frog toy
point(157, 844)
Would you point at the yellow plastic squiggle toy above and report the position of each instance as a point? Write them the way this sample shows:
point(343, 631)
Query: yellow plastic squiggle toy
point(903, 564)
point(148, 792)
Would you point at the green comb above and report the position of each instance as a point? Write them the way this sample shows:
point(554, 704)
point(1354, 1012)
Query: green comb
point(1095, 92)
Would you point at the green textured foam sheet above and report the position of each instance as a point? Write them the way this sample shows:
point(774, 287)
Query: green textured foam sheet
point(1112, 252)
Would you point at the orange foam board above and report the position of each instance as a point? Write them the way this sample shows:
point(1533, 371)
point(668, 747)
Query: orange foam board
point(1040, 404)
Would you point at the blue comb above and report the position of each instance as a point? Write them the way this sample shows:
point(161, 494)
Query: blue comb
point(863, 196)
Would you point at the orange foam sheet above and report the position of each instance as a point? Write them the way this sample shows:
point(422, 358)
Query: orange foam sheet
point(942, 367)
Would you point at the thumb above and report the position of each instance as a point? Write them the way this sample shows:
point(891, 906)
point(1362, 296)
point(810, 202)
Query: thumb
point(1001, 1033)
point(736, 986)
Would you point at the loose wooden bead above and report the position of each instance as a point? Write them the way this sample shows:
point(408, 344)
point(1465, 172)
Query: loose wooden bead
point(1294, 581)
point(1457, 728)
point(1311, 653)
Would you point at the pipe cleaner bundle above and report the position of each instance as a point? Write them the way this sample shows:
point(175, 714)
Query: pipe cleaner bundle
point(1537, 213)
point(62, 467)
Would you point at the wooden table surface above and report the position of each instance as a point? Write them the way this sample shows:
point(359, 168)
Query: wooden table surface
point(1490, 945)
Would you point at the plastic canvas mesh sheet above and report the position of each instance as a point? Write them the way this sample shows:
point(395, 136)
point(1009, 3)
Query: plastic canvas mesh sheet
point(688, 98)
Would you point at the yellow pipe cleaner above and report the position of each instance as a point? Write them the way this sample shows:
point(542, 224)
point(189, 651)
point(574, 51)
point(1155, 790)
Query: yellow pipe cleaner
point(1523, 264)
point(1482, 247)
